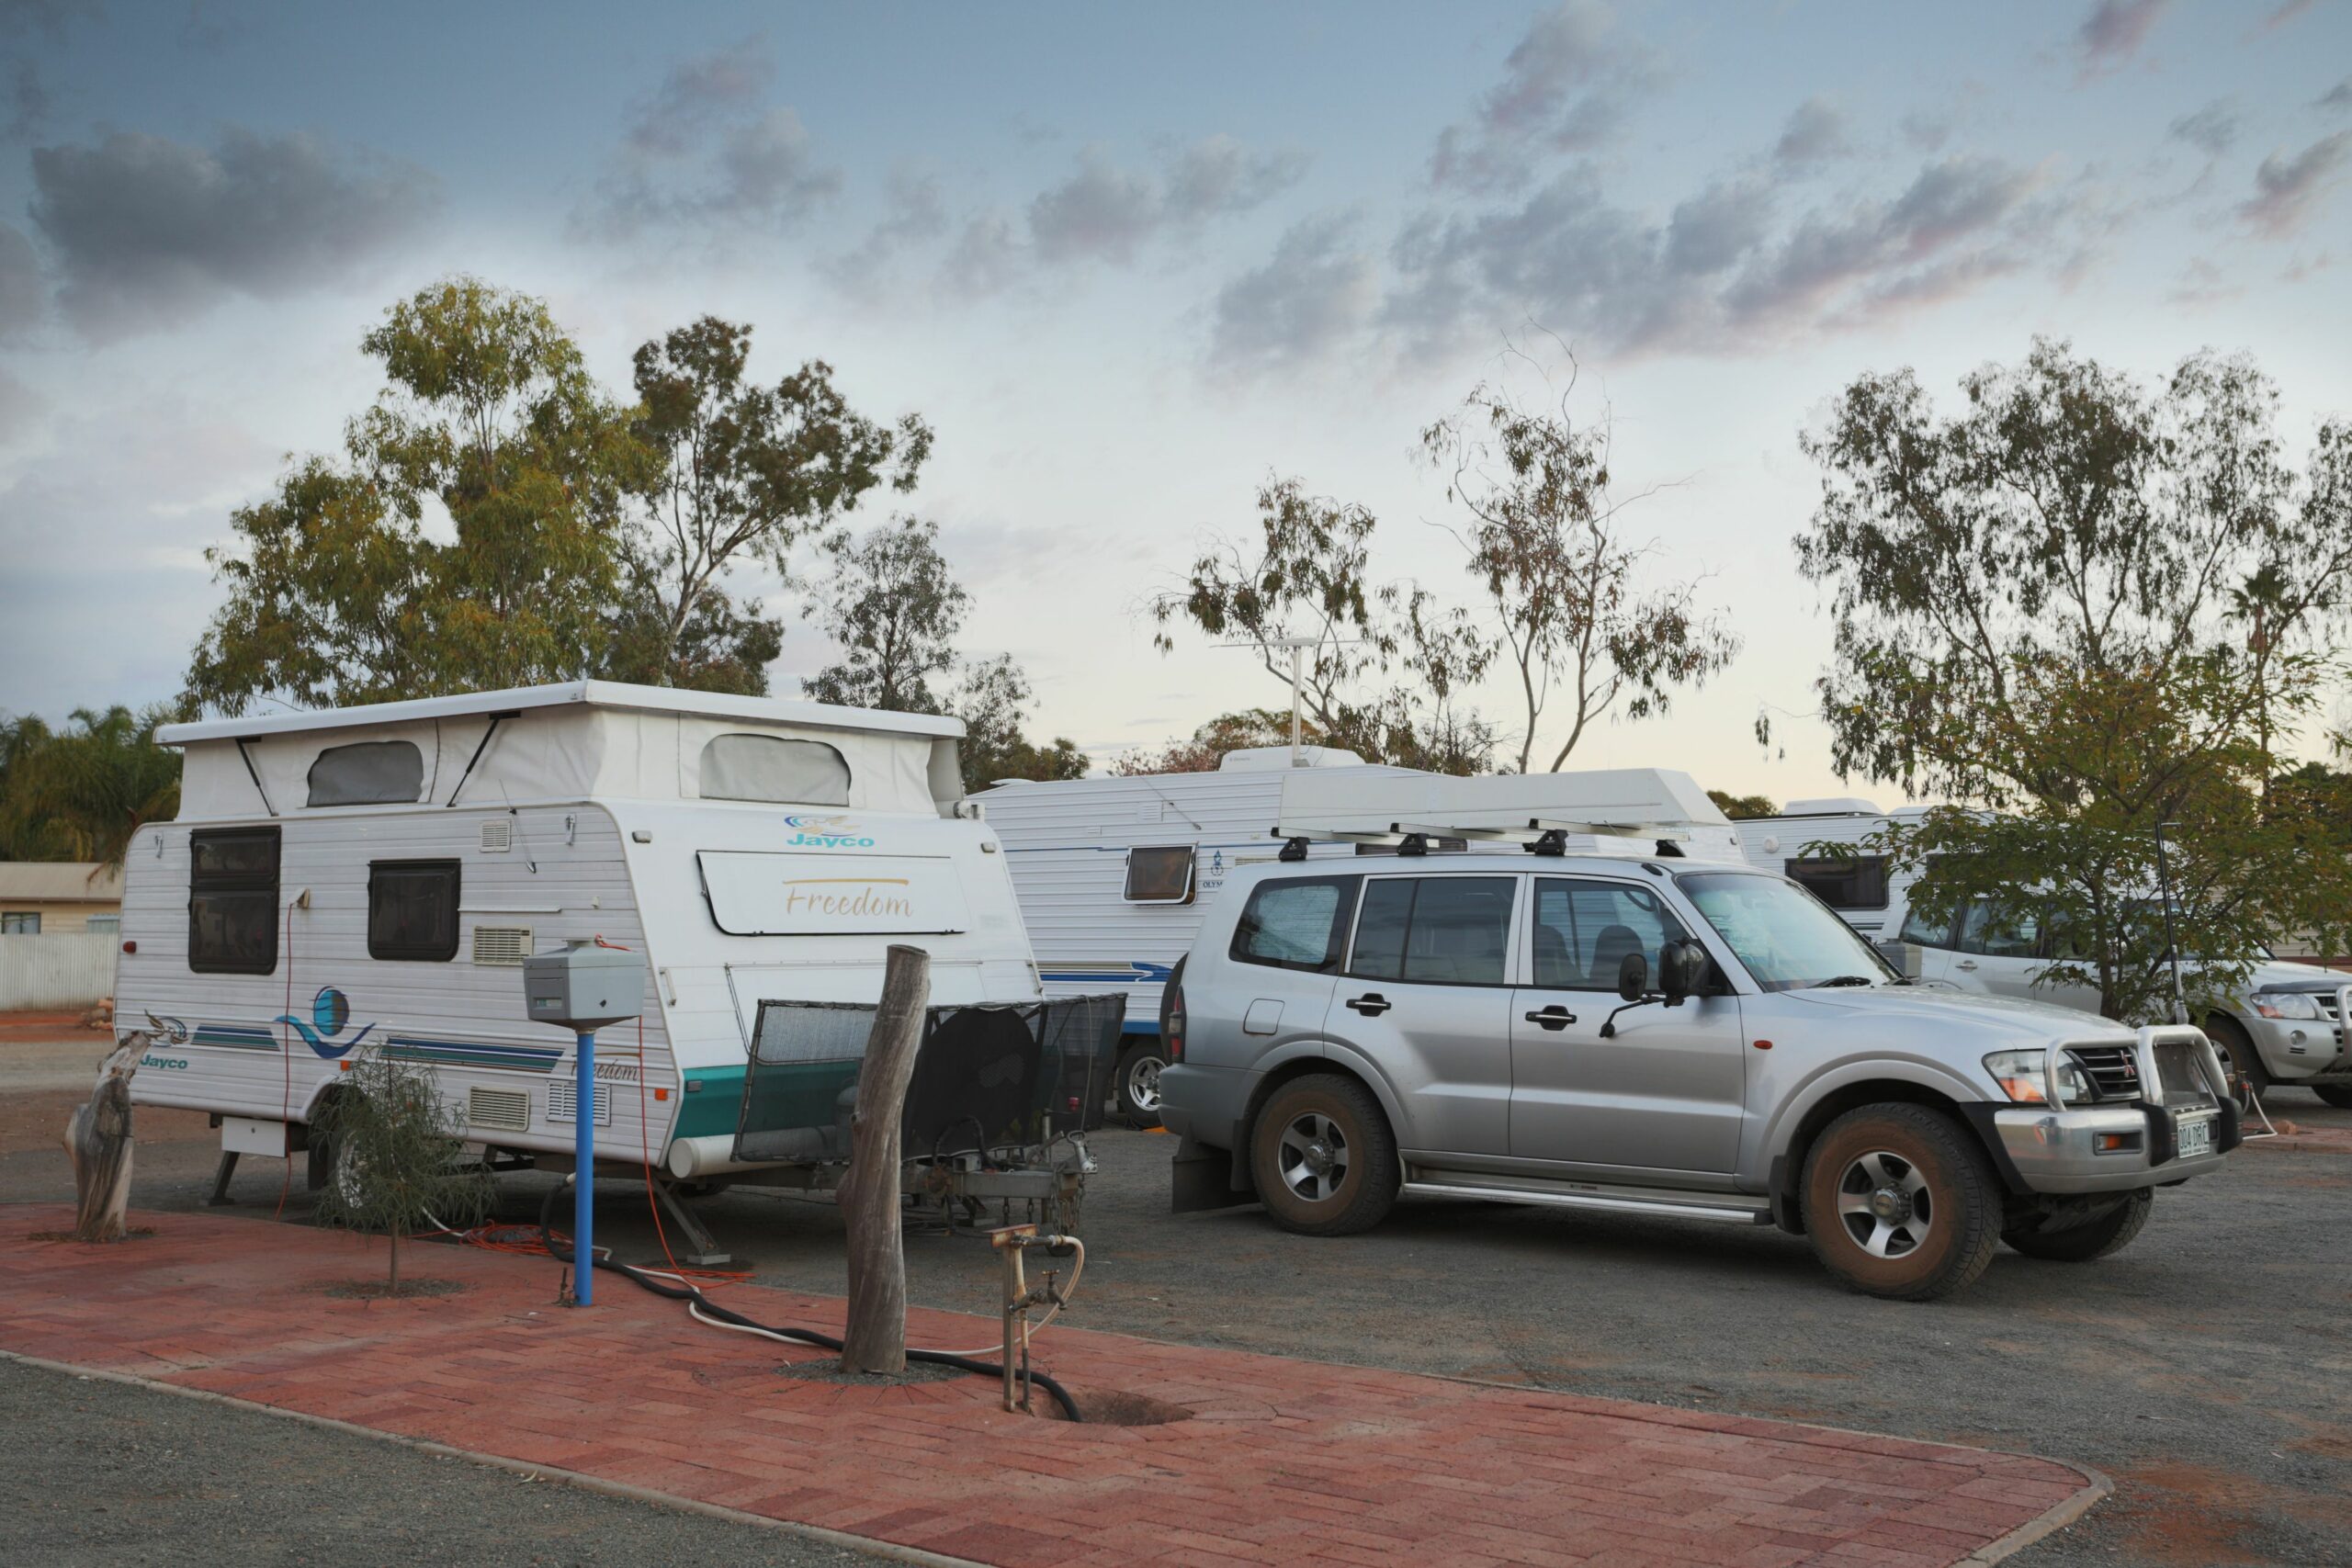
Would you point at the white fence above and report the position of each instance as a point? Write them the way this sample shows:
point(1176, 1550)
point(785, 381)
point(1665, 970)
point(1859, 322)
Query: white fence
point(60, 969)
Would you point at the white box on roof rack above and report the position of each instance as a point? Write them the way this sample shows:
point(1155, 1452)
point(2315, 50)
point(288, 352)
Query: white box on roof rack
point(1638, 804)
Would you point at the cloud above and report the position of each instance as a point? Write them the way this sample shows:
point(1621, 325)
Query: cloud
point(2213, 129)
point(1569, 86)
point(24, 297)
point(1098, 213)
point(703, 150)
point(2337, 98)
point(915, 214)
point(19, 405)
point(149, 232)
point(1814, 133)
point(1218, 176)
point(1315, 293)
point(2113, 33)
point(2286, 190)
point(1721, 274)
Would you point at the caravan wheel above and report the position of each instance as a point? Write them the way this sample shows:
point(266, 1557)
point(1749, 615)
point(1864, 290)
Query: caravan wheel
point(1140, 1067)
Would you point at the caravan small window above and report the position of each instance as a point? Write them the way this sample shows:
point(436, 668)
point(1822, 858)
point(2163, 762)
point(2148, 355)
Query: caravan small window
point(1843, 881)
point(412, 909)
point(368, 773)
point(769, 767)
point(1160, 875)
point(232, 901)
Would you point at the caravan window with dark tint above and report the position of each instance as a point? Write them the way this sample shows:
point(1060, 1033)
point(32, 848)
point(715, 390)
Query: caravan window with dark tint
point(1298, 922)
point(232, 901)
point(412, 909)
point(1843, 883)
point(769, 767)
point(368, 773)
point(1160, 875)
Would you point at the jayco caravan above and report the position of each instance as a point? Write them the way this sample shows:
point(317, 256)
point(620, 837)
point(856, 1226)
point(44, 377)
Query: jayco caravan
point(1115, 874)
point(374, 877)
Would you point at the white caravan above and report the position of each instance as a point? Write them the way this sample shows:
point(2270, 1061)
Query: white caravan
point(375, 876)
point(1115, 874)
point(2286, 1028)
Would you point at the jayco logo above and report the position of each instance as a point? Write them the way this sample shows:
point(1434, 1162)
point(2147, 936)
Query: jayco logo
point(825, 833)
point(848, 896)
point(329, 1011)
point(174, 1064)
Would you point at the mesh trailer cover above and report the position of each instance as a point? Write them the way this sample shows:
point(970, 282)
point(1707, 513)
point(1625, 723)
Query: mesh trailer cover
point(986, 1077)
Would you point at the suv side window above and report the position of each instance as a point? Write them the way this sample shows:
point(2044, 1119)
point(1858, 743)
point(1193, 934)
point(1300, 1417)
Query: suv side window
point(1296, 923)
point(1584, 929)
point(1437, 930)
point(1918, 927)
point(2001, 931)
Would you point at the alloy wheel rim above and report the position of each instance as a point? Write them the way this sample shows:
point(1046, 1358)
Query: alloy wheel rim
point(1143, 1083)
point(1885, 1204)
point(1313, 1156)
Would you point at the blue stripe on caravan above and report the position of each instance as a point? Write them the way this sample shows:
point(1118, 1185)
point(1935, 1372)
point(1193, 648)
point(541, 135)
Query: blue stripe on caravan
point(473, 1054)
point(233, 1039)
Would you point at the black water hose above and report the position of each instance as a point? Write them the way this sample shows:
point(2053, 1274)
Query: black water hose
point(686, 1292)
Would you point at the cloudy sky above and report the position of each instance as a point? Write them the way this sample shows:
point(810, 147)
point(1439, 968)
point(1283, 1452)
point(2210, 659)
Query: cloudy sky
point(1129, 260)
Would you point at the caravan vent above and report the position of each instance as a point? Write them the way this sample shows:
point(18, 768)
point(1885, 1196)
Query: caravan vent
point(497, 835)
point(501, 944)
point(563, 1098)
point(504, 1107)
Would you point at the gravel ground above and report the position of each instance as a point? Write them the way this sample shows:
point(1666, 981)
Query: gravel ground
point(99, 1473)
point(2207, 1369)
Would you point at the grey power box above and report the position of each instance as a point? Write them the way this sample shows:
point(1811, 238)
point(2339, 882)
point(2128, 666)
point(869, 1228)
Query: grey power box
point(585, 987)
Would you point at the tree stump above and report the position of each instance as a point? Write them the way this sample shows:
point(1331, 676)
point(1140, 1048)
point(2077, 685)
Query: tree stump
point(97, 1140)
point(876, 1339)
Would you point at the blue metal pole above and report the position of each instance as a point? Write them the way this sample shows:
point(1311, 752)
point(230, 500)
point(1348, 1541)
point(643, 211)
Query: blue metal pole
point(584, 1157)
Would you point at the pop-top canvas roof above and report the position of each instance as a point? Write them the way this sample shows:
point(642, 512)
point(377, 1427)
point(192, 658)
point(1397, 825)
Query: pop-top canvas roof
point(591, 693)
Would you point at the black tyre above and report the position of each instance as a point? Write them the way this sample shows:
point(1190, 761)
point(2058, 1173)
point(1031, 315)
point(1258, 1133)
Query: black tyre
point(2109, 1233)
point(2245, 1061)
point(2335, 1094)
point(1324, 1157)
point(1901, 1203)
point(1138, 1082)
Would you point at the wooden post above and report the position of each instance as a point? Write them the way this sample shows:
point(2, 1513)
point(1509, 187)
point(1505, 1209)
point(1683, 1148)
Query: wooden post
point(97, 1140)
point(876, 1339)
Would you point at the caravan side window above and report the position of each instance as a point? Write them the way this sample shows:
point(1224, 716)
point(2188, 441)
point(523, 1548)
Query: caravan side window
point(412, 909)
point(1160, 875)
point(367, 772)
point(1857, 882)
point(232, 901)
point(769, 767)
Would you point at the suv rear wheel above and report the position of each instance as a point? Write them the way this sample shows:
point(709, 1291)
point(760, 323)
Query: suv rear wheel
point(2111, 1232)
point(1323, 1156)
point(1900, 1203)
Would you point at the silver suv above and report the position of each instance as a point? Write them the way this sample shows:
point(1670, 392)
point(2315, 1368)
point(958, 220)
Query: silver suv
point(1661, 1036)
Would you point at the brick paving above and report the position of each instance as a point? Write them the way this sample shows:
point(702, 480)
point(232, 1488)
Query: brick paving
point(1282, 1461)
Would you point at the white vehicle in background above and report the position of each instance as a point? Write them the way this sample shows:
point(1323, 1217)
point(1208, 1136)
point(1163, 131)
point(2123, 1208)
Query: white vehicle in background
point(375, 877)
point(1115, 874)
point(2283, 1030)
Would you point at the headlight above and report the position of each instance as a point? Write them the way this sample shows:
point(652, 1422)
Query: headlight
point(2019, 1075)
point(2286, 1004)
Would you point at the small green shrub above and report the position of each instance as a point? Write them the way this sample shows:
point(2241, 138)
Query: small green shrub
point(398, 1156)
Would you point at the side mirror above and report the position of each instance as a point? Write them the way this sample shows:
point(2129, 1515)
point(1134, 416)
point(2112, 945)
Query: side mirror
point(1633, 977)
point(1682, 970)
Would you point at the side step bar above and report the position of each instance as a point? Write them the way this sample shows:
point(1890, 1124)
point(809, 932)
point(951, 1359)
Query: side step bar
point(1728, 1207)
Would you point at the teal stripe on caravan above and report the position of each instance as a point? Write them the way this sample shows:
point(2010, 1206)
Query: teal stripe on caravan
point(233, 1039)
point(473, 1054)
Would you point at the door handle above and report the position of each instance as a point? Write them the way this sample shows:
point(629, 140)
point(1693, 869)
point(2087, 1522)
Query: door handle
point(1554, 1017)
point(1965, 964)
point(1372, 1004)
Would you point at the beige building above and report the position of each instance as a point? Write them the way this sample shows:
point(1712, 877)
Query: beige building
point(43, 897)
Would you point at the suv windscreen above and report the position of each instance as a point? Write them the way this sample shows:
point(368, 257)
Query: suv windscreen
point(1783, 936)
point(1584, 929)
point(1442, 931)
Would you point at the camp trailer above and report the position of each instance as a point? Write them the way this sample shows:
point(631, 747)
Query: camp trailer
point(1115, 874)
point(374, 878)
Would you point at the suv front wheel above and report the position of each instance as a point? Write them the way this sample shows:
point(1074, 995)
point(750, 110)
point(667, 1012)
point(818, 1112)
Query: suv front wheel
point(1900, 1203)
point(1324, 1159)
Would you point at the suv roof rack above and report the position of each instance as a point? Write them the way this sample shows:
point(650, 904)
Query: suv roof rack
point(1540, 812)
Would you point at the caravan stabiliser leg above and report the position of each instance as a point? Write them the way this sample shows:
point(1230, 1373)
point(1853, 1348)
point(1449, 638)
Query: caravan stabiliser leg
point(686, 1292)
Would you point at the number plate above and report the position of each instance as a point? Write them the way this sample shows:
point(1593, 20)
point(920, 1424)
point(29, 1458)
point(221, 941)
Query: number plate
point(2194, 1135)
